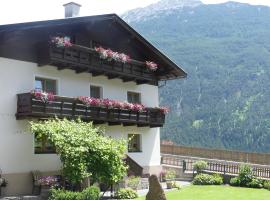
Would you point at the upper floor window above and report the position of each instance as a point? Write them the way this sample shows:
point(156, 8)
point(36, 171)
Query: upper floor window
point(134, 97)
point(134, 143)
point(96, 92)
point(45, 85)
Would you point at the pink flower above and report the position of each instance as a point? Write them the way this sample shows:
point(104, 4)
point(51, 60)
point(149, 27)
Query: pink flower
point(151, 65)
point(111, 55)
point(164, 110)
point(61, 41)
point(43, 96)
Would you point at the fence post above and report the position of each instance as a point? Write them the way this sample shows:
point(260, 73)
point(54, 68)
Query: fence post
point(224, 169)
point(184, 166)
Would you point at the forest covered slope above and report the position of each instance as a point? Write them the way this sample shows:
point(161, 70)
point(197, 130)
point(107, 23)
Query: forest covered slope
point(225, 49)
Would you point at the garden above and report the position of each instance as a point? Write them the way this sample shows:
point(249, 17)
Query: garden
point(206, 186)
point(213, 192)
point(88, 155)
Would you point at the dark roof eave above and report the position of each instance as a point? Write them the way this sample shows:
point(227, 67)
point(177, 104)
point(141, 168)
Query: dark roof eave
point(179, 73)
point(182, 74)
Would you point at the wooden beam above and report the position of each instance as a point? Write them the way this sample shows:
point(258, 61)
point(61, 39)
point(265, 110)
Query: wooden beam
point(97, 74)
point(155, 126)
point(98, 122)
point(128, 79)
point(114, 123)
point(78, 71)
point(112, 76)
point(139, 82)
point(129, 124)
point(143, 125)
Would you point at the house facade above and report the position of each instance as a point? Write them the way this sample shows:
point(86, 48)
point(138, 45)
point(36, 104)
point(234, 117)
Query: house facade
point(30, 61)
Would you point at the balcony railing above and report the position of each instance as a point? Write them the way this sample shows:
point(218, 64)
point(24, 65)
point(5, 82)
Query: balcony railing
point(83, 59)
point(64, 107)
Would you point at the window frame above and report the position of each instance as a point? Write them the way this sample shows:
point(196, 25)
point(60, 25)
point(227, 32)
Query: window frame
point(134, 92)
point(57, 82)
point(101, 90)
point(139, 150)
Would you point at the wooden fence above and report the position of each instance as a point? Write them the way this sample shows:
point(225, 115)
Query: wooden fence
point(237, 156)
point(214, 166)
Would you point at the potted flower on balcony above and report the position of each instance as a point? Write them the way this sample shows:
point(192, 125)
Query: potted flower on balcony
point(170, 177)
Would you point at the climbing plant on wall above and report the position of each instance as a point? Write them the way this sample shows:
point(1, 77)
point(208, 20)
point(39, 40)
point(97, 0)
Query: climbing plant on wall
point(84, 151)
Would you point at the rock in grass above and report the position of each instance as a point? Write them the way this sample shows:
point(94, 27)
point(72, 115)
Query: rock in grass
point(155, 190)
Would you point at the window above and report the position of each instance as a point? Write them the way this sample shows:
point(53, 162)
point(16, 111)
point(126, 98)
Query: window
point(134, 97)
point(96, 92)
point(45, 85)
point(43, 146)
point(134, 143)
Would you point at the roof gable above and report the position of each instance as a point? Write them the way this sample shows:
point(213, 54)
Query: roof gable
point(108, 30)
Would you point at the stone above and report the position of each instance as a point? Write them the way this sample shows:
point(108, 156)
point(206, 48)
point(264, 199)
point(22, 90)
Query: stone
point(155, 190)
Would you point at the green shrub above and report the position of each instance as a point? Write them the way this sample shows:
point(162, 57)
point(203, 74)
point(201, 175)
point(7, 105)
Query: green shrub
point(133, 182)
point(65, 195)
point(199, 166)
point(206, 179)
point(170, 174)
point(91, 193)
point(245, 174)
point(255, 183)
point(126, 193)
point(266, 185)
point(235, 181)
point(218, 179)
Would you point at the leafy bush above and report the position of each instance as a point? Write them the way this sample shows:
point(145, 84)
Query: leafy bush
point(245, 174)
point(255, 183)
point(199, 166)
point(235, 181)
point(218, 179)
point(91, 193)
point(133, 182)
point(126, 193)
point(170, 174)
point(206, 179)
point(266, 185)
point(76, 153)
point(65, 195)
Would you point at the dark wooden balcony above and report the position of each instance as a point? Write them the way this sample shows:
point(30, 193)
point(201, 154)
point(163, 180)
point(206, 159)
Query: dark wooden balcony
point(83, 59)
point(28, 107)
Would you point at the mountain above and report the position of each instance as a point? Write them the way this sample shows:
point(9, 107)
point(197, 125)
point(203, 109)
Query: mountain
point(225, 49)
point(159, 8)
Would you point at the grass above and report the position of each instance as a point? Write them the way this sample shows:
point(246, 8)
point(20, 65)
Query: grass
point(217, 193)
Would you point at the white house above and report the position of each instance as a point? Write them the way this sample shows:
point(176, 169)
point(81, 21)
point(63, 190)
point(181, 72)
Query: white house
point(29, 60)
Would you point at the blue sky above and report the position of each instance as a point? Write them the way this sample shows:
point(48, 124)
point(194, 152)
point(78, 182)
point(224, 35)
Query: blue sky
point(14, 11)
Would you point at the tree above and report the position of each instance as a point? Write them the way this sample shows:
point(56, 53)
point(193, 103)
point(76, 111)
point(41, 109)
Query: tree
point(84, 151)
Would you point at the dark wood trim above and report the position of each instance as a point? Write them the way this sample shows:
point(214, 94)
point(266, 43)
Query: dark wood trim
point(28, 107)
point(83, 59)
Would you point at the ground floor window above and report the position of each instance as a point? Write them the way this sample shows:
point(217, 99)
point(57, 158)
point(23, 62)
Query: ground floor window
point(134, 143)
point(43, 146)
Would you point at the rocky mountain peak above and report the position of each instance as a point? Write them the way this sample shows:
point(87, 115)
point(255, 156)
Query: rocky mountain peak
point(164, 6)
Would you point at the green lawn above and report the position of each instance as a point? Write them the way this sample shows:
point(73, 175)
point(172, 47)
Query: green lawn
point(217, 193)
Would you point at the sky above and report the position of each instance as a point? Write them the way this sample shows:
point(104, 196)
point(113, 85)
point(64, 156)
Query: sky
point(15, 11)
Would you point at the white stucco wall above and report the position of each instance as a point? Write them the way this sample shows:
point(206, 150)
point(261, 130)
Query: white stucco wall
point(16, 143)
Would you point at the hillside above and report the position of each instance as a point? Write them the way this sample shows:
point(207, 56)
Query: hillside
point(225, 49)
